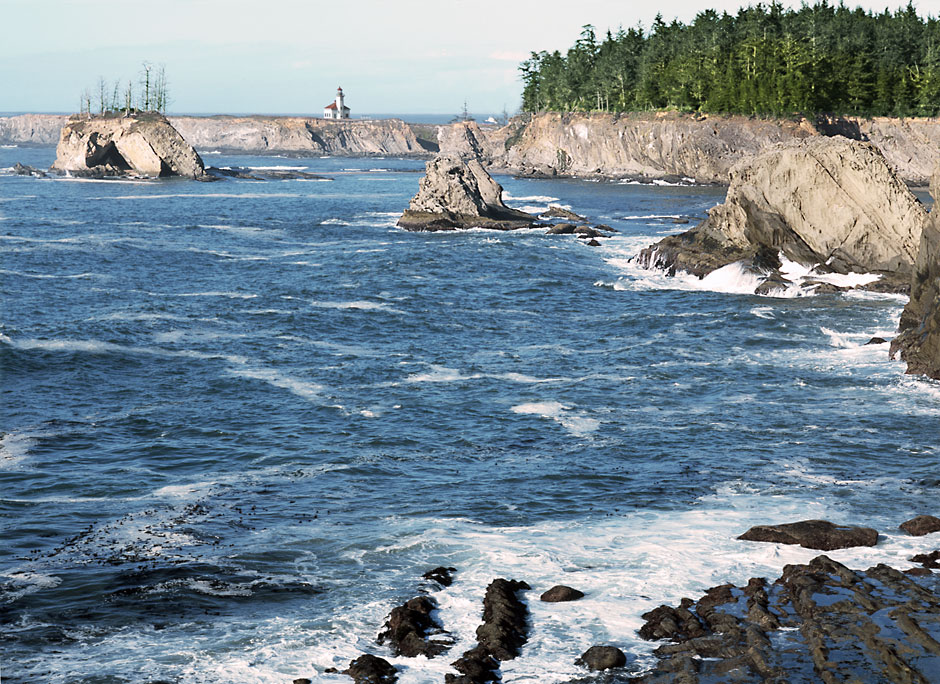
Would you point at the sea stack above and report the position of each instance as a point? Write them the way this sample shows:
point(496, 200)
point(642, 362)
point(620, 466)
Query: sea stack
point(829, 204)
point(142, 144)
point(455, 195)
point(918, 340)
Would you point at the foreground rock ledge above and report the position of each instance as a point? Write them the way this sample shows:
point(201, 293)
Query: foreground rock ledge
point(831, 204)
point(820, 622)
point(456, 195)
point(113, 145)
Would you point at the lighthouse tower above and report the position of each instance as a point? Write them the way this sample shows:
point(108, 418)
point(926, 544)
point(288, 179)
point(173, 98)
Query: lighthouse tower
point(336, 109)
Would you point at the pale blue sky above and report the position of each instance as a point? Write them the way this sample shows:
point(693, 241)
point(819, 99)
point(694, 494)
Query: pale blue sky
point(288, 56)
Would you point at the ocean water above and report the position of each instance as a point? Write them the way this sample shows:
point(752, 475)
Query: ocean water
point(240, 419)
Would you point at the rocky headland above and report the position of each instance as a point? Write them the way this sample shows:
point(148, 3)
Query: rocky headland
point(918, 340)
point(831, 205)
point(143, 145)
point(456, 195)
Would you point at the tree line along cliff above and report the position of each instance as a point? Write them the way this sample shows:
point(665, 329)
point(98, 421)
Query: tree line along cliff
point(764, 60)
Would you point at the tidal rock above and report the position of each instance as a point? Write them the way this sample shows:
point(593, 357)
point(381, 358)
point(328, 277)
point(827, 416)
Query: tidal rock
point(602, 658)
point(813, 534)
point(408, 628)
point(562, 229)
point(25, 170)
point(441, 575)
point(502, 634)
point(302, 680)
point(592, 243)
point(820, 622)
point(141, 144)
point(918, 340)
point(555, 211)
point(928, 560)
point(560, 592)
point(921, 525)
point(455, 194)
point(830, 204)
point(876, 340)
point(370, 669)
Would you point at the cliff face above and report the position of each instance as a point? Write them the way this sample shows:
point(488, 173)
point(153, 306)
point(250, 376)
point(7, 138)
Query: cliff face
point(31, 129)
point(829, 203)
point(664, 145)
point(301, 136)
point(144, 144)
point(918, 340)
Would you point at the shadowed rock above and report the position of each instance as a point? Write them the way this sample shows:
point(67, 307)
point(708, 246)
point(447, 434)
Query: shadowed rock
point(921, 525)
point(820, 622)
point(560, 593)
point(502, 634)
point(458, 195)
point(441, 575)
point(813, 534)
point(141, 144)
point(602, 658)
point(370, 669)
point(408, 628)
point(829, 203)
point(928, 560)
point(918, 340)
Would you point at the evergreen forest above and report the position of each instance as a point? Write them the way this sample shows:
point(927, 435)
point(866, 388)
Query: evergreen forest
point(764, 60)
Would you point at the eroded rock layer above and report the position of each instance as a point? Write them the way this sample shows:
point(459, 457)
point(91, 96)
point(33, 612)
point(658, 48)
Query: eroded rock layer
point(142, 144)
point(831, 204)
point(820, 622)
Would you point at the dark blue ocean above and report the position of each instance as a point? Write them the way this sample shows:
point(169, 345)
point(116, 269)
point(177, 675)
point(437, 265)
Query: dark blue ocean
point(240, 419)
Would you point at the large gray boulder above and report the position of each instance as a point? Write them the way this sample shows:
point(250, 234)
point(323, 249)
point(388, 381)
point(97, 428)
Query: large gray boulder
point(918, 340)
point(140, 144)
point(829, 203)
point(456, 194)
point(813, 534)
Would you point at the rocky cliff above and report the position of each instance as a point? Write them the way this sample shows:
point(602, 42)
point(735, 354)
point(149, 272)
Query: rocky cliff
point(302, 136)
point(144, 144)
point(676, 146)
point(31, 129)
point(828, 204)
point(456, 194)
point(918, 341)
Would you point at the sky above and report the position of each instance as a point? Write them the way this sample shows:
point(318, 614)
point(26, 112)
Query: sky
point(289, 56)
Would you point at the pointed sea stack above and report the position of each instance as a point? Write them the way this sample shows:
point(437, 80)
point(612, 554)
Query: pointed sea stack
point(456, 195)
point(142, 144)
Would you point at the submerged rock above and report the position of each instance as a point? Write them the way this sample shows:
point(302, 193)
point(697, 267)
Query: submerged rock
point(829, 204)
point(458, 195)
point(820, 622)
point(921, 525)
point(113, 145)
point(560, 593)
point(813, 534)
point(918, 340)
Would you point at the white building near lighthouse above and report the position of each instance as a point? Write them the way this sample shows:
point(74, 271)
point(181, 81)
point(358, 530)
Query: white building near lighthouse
point(336, 109)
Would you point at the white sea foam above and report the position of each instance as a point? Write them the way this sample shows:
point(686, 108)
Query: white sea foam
point(195, 195)
point(302, 388)
point(20, 584)
point(50, 275)
point(360, 305)
point(14, 447)
point(763, 312)
point(542, 199)
point(577, 424)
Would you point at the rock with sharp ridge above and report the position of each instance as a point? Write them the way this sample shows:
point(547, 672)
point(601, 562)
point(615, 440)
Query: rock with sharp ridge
point(456, 194)
point(143, 144)
point(832, 205)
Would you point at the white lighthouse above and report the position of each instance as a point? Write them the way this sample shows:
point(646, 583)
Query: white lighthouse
point(336, 109)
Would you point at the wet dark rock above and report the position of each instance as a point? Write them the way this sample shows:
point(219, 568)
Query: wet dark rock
point(408, 628)
point(24, 170)
point(370, 669)
point(592, 243)
point(820, 622)
point(602, 658)
point(243, 173)
point(502, 634)
point(441, 575)
point(457, 195)
point(921, 525)
point(813, 534)
point(928, 560)
point(561, 592)
point(679, 624)
point(603, 227)
point(302, 680)
point(555, 211)
point(876, 340)
point(562, 229)
point(586, 232)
